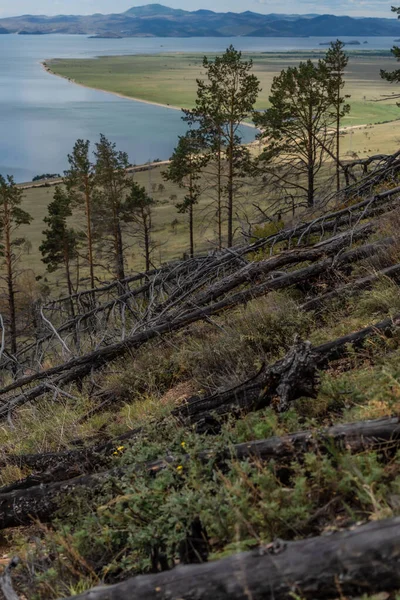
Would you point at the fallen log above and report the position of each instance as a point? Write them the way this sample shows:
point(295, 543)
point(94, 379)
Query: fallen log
point(60, 466)
point(318, 224)
point(352, 287)
point(28, 499)
point(292, 377)
point(77, 368)
point(348, 563)
point(257, 269)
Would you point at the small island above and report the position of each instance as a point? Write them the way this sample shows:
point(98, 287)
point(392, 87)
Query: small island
point(106, 36)
point(27, 32)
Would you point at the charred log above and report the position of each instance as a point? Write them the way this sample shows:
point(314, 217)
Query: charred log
point(349, 563)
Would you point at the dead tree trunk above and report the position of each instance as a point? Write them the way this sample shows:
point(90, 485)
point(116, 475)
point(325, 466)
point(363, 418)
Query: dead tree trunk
point(352, 287)
point(292, 377)
point(257, 269)
point(349, 563)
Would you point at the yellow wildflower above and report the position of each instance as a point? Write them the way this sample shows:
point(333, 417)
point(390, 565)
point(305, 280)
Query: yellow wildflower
point(179, 468)
point(183, 444)
point(118, 450)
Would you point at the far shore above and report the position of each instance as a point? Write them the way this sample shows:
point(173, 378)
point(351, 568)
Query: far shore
point(88, 87)
point(46, 67)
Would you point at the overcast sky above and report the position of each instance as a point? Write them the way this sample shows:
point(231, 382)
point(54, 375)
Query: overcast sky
point(339, 7)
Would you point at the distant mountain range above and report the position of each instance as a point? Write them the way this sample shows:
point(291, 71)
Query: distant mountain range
point(155, 20)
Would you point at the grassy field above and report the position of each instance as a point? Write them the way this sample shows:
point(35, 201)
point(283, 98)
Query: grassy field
point(173, 241)
point(170, 79)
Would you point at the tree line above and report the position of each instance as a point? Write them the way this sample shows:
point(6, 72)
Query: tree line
point(101, 195)
point(300, 132)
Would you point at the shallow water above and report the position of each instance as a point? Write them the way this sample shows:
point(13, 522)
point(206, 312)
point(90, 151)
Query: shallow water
point(41, 115)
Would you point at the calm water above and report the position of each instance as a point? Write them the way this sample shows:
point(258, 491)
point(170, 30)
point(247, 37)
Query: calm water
point(41, 116)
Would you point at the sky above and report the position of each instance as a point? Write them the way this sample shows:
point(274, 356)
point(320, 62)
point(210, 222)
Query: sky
point(368, 8)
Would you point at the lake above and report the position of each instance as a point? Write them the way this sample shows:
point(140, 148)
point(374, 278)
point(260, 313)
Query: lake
point(41, 116)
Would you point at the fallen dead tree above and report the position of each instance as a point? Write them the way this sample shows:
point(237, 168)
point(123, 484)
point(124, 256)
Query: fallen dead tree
point(50, 467)
point(386, 168)
point(188, 286)
point(257, 269)
point(328, 221)
point(23, 501)
point(347, 563)
point(294, 376)
point(353, 287)
point(77, 368)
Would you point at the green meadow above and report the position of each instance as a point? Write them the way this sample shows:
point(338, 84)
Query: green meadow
point(170, 79)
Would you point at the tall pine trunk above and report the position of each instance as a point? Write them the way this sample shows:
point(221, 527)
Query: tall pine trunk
point(230, 186)
point(310, 157)
point(88, 206)
point(338, 141)
point(147, 227)
point(191, 230)
point(10, 278)
point(219, 192)
point(68, 276)
point(118, 246)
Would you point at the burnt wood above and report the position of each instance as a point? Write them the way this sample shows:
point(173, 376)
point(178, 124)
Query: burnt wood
point(348, 563)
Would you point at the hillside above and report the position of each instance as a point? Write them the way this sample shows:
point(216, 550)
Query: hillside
point(157, 20)
point(237, 413)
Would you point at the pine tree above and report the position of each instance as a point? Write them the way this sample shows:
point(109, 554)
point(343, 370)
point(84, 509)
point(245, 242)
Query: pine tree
point(60, 244)
point(140, 205)
point(336, 61)
point(208, 119)
point(393, 76)
point(113, 183)
point(297, 129)
point(12, 216)
point(223, 102)
point(185, 170)
point(80, 183)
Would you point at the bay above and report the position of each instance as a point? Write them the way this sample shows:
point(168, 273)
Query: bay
point(41, 115)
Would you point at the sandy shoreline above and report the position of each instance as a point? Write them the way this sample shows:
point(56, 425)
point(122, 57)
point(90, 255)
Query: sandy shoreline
point(124, 96)
point(88, 87)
